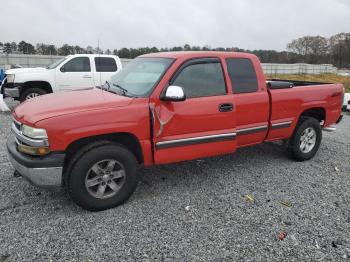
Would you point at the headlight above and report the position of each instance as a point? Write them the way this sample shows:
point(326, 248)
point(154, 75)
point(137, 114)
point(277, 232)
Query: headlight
point(34, 132)
point(10, 78)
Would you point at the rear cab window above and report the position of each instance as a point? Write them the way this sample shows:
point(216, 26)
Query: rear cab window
point(201, 78)
point(105, 64)
point(242, 75)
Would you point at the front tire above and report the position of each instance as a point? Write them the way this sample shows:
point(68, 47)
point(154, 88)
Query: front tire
point(306, 139)
point(103, 177)
point(31, 93)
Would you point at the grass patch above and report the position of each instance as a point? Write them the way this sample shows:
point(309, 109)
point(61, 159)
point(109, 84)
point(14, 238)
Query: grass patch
point(329, 78)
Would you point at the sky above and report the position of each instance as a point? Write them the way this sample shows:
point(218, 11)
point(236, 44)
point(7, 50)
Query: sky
point(248, 24)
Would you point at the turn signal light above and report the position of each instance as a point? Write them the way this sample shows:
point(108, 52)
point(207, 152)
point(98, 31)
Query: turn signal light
point(34, 151)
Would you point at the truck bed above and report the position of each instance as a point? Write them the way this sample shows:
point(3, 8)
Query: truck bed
point(289, 101)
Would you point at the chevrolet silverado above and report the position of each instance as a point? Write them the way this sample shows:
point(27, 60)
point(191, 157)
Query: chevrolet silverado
point(163, 108)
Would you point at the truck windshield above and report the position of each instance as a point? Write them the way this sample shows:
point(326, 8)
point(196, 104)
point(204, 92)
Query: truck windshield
point(139, 77)
point(55, 64)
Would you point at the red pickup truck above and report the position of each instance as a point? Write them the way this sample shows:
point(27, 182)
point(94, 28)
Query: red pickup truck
point(163, 108)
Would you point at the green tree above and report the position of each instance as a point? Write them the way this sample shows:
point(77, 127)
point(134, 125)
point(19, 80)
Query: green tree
point(79, 50)
point(164, 49)
point(7, 48)
point(340, 50)
point(313, 48)
point(13, 47)
point(51, 50)
point(65, 50)
point(26, 48)
point(124, 53)
point(42, 49)
point(154, 50)
point(134, 52)
point(187, 47)
point(177, 48)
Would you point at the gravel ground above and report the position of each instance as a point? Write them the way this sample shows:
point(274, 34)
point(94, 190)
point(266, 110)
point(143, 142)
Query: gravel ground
point(193, 211)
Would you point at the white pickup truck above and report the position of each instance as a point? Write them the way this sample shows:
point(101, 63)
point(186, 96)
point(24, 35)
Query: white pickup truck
point(72, 72)
point(346, 102)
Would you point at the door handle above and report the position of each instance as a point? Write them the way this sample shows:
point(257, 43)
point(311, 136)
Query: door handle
point(87, 76)
point(226, 107)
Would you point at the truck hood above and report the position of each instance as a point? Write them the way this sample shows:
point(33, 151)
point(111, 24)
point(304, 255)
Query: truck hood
point(26, 70)
point(53, 105)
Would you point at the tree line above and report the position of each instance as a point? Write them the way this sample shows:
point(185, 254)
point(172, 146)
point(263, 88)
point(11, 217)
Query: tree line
point(308, 49)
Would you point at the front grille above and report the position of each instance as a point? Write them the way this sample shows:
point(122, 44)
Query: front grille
point(16, 128)
point(17, 141)
point(17, 125)
point(24, 140)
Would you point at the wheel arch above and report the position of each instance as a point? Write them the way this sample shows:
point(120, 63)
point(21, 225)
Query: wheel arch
point(318, 113)
point(128, 140)
point(46, 86)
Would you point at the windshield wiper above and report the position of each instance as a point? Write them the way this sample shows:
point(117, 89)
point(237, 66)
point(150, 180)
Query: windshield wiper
point(103, 86)
point(121, 88)
point(108, 88)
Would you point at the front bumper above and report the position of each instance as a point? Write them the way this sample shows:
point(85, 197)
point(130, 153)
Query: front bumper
point(44, 172)
point(12, 89)
point(12, 92)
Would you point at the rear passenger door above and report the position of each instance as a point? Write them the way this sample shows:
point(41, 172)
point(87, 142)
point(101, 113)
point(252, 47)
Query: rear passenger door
point(251, 101)
point(105, 68)
point(202, 125)
point(75, 74)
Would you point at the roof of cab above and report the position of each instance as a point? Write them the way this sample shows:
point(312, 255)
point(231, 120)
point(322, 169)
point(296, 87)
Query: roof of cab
point(190, 54)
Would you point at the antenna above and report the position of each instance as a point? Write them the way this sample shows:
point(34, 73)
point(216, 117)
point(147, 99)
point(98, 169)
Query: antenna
point(99, 61)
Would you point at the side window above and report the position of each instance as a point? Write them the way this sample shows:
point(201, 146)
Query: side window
point(199, 80)
point(78, 64)
point(242, 75)
point(105, 64)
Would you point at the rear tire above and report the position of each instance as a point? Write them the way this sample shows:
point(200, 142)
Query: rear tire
point(306, 139)
point(102, 177)
point(31, 93)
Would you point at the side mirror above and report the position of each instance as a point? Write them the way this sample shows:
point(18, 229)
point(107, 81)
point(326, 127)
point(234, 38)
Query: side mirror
point(62, 69)
point(174, 93)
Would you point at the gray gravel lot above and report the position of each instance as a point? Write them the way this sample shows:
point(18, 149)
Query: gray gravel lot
point(193, 211)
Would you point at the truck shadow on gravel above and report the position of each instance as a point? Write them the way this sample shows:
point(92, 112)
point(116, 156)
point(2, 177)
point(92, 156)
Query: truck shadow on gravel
point(154, 181)
point(247, 166)
point(189, 174)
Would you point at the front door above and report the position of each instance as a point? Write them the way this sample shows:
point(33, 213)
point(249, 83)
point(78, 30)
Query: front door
point(75, 74)
point(204, 124)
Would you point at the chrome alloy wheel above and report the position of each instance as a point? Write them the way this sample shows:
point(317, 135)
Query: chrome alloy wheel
point(308, 140)
point(32, 95)
point(105, 178)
